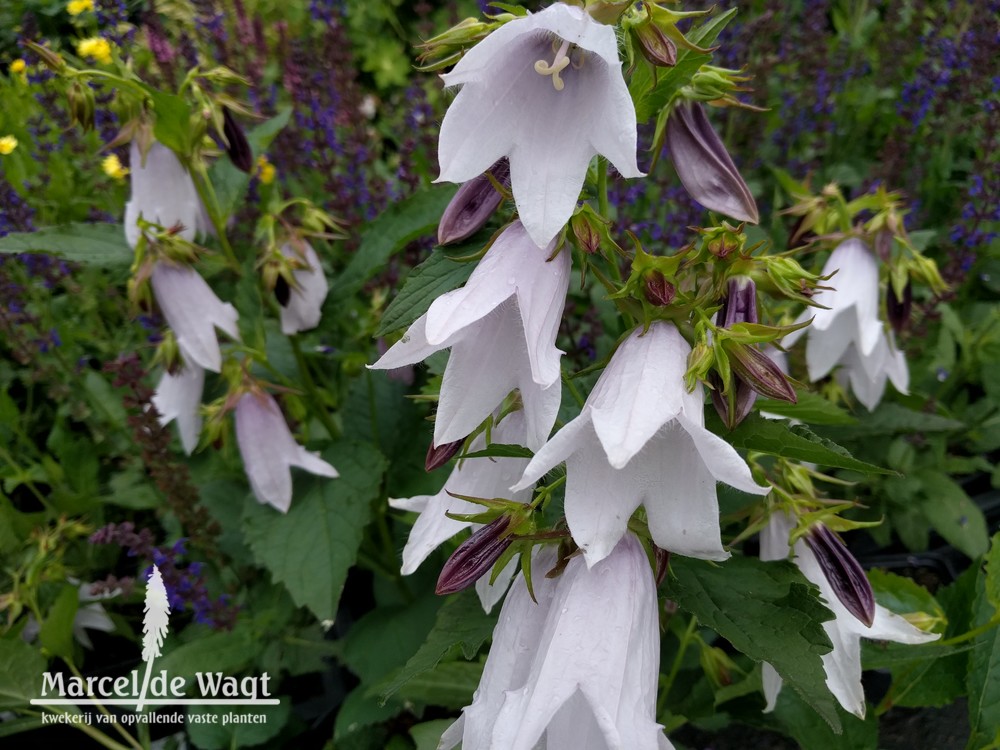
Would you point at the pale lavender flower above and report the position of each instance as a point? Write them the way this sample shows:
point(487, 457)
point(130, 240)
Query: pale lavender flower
point(178, 397)
point(303, 309)
point(640, 440)
point(545, 90)
point(269, 450)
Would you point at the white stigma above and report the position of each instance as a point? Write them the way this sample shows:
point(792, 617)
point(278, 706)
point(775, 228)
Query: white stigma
point(558, 65)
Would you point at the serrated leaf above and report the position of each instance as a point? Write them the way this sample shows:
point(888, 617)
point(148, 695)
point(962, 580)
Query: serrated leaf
point(221, 734)
point(460, 622)
point(310, 548)
point(953, 514)
point(809, 731)
point(768, 611)
point(798, 442)
point(56, 633)
point(892, 418)
point(100, 245)
point(810, 408)
point(389, 233)
point(21, 668)
point(983, 679)
point(425, 283)
point(231, 183)
point(450, 684)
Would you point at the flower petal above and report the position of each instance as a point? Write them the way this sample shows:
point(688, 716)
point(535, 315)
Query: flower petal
point(721, 459)
point(410, 349)
point(179, 397)
point(305, 303)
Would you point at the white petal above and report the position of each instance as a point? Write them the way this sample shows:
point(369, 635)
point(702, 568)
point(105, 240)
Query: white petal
point(452, 736)
point(826, 348)
point(305, 302)
point(491, 593)
point(541, 301)
point(541, 406)
point(888, 626)
point(772, 685)
point(774, 537)
point(721, 459)
point(312, 463)
point(162, 193)
point(410, 349)
point(179, 397)
point(570, 438)
point(843, 668)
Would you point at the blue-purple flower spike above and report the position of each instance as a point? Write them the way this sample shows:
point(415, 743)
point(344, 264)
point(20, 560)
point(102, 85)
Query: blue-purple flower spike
point(844, 573)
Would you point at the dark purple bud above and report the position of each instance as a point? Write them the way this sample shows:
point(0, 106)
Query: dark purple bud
point(898, 310)
point(473, 205)
point(662, 560)
point(474, 557)
point(237, 145)
point(704, 166)
point(659, 291)
point(586, 232)
point(743, 400)
point(740, 304)
point(655, 45)
point(439, 455)
point(760, 372)
point(883, 245)
point(282, 291)
point(843, 572)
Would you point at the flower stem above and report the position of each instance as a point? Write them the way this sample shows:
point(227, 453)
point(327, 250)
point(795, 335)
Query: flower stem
point(668, 683)
point(312, 390)
point(574, 391)
point(206, 192)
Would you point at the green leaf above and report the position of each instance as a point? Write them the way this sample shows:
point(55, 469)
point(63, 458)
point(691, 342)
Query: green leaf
point(172, 127)
point(231, 183)
point(810, 408)
point(983, 680)
point(450, 684)
point(501, 450)
point(425, 283)
point(953, 515)
point(426, 736)
point(56, 633)
point(310, 548)
point(768, 611)
point(886, 655)
point(386, 637)
point(21, 668)
point(460, 622)
point(797, 442)
point(230, 652)
point(904, 596)
point(891, 418)
point(928, 683)
point(101, 245)
point(207, 730)
point(992, 571)
point(393, 230)
point(810, 732)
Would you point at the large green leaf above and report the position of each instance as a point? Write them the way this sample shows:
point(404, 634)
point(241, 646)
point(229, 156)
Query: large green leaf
point(809, 407)
point(56, 633)
point(798, 442)
point(983, 680)
point(460, 622)
point(767, 610)
point(21, 668)
point(813, 733)
point(891, 418)
point(425, 283)
point(450, 684)
point(97, 244)
point(230, 652)
point(215, 728)
point(952, 513)
point(393, 230)
point(310, 548)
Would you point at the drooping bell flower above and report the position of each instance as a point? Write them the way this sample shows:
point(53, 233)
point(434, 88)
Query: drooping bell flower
point(163, 193)
point(178, 397)
point(303, 302)
point(848, 332)
point(704, 166)
point(577, 669)
point(193, 312)
point(843, 664)
point(501, 328)
point(545, 90)
point(269, 451)
point(640, 440)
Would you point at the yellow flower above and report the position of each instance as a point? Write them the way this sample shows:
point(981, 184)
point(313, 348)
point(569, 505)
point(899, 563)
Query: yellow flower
point(76, 7)
point(113, 168)
point(95, 48)
point(17, 67)
point(265, 170)
point(7, 144)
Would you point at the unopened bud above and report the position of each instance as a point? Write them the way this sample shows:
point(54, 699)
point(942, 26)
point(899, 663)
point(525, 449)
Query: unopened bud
point(237, 146)
point(655, 45)
point(898, 310)
point(744, 397)
point(843, 572)
point(473, 205)
point(705, 167)
point(439, 455)
point(662, 559)
point(740, 304)
point(659, 291)
point(883, 245)
point(474, 557)
point(762, 374)
point(587, 234)
point(282, 291)
point(82, 104)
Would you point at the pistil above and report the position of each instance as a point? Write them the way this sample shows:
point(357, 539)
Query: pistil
point(559, 64)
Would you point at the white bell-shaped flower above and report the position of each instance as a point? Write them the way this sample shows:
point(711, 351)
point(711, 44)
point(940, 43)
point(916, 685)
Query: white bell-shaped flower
point(640, 440)
point(269, 450)
point(501, 328)
point(843, 664)
point(849, 331)
point(576, 670)
point(178, 397)
point(545, 90)
point(193, 311)
point(163, 193)
point(303, 309)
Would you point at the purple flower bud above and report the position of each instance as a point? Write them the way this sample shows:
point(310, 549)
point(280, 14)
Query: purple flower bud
point(439, 455)
point(740, 304)
point(473, 205)
point(237, 146)
point(844, 573)
point(659, 291)
point(474, 557)
point(743, 400)
point(898, 310)
point(760, 372)
point(662, 559)
point(655, 45)
point(704, 165)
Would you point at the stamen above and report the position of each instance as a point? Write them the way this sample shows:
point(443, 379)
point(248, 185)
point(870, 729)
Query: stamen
point(559, 64)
